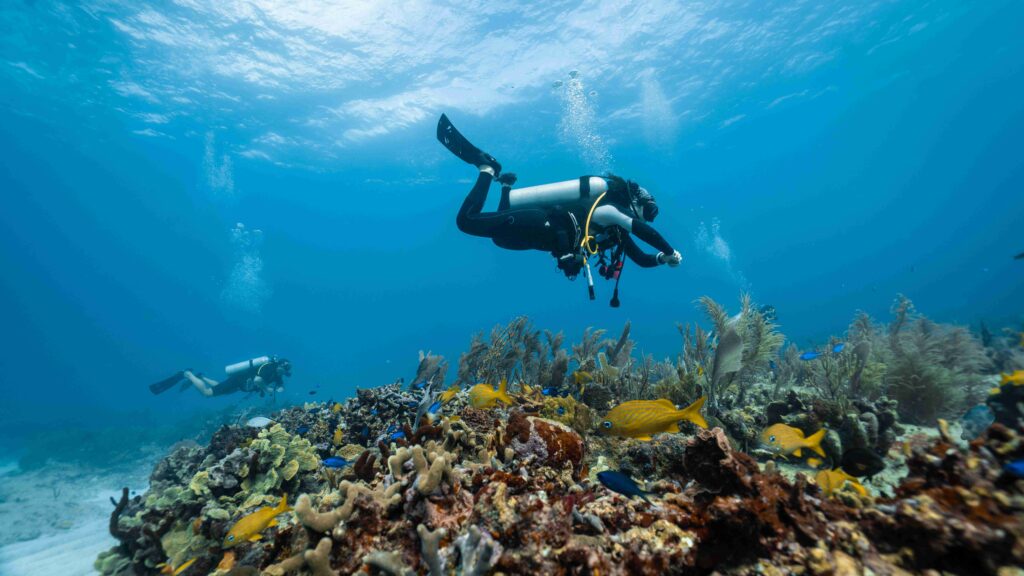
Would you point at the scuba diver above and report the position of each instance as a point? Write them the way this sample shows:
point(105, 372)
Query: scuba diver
point(574, 220)
point(261, 375)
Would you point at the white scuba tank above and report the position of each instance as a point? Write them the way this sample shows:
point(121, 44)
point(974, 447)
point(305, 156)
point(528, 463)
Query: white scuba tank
point(581, 190)
point(246, 364)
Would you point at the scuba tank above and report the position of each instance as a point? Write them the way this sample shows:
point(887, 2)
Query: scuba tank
point(246, 365)
point(583, 190)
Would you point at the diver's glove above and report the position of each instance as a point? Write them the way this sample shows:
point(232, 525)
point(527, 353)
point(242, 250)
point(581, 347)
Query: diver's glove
point(672, 259)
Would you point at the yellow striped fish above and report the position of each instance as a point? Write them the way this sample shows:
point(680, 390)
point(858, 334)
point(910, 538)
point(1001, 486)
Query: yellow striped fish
point(485, 396)
point(831, 481)
point(248, 528)
point(450, 393)
point(642, 418)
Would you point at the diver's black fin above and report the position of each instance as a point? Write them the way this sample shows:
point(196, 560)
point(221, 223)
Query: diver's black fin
point(457, 144)
point(166, 384)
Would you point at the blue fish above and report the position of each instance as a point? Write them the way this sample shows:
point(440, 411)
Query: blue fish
point(374, 412)
point(561, 410)
point(335, 462)
point(808, 356)
point(771, 365)
point(419, 385)
point(391, 429)
point(975, 421)
point(434, 407)
point(1015, 468)
point(302, 429)
point(621, 483)
point(412, 403)
point(838, 347)
point(397, 435)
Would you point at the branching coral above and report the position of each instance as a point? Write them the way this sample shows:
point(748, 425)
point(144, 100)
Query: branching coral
point(479, 552)
point(430, 544)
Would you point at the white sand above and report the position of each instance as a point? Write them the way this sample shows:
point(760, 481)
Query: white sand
point(70, 553)
point(54, 521)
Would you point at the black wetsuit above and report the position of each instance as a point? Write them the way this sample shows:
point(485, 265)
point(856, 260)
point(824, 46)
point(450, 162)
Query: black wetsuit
point(244, 381)
point(549, 230)
point(520, 229)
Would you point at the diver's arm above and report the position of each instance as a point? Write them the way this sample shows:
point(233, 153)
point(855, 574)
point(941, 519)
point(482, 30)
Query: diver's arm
point(607, 215)
point(642, 259)
point(645, 232)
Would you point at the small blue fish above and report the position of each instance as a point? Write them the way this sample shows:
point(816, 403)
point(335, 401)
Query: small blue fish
point(561, 410)
point(335, 462)
point(302, 429)
point(374, 412)
point(808, 356)
point(391, 429)
point(397, 435)
point(771, 365)
point(1015, 468)
point(419, 385)
point(434, 407)
point(412, 403)
point(621, 483)
point(312, 392)
point(838, 347)
point(975, 421)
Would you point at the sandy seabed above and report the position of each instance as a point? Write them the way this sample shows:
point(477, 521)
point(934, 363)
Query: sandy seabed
point(55, 520)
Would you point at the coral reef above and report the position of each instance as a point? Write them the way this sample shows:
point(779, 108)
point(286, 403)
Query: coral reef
point(513, 490)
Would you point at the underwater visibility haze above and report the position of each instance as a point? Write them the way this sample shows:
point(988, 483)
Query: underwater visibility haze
point(826, 314)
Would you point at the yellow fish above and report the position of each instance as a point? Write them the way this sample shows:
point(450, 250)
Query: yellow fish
point(831, 481)
point(168, 569)
point(248, 528)
point(641, 418)
point(336, 408)
point(448, 394)
point(1016, 378)
point(785, 440)
point(581, 377)
point(338, 436)
point(700, 371)
point(813, 462)
point(485, 396)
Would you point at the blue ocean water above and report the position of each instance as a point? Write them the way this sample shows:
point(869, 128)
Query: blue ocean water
point(821, 156)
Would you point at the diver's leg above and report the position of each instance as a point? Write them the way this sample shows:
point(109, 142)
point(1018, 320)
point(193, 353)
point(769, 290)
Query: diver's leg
point(466, 219)
point(199, 383)
point(516, 229)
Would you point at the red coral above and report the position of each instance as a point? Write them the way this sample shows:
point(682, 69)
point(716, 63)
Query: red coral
point(364, 466)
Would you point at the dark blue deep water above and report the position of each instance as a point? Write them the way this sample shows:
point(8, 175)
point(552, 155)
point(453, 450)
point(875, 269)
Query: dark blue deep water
point(823, 156)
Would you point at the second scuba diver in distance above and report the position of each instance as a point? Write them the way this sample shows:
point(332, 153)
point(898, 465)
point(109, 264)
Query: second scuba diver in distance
point(263, 375)
point(592, 216)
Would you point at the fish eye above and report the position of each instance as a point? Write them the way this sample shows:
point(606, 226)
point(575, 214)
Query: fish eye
point(231, 538)
point(771, 438)
point(607, 425)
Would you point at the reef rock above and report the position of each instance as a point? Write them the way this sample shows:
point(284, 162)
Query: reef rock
point(546, 443)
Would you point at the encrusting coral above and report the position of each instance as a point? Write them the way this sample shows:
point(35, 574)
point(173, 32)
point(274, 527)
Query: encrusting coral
point(514, 490)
